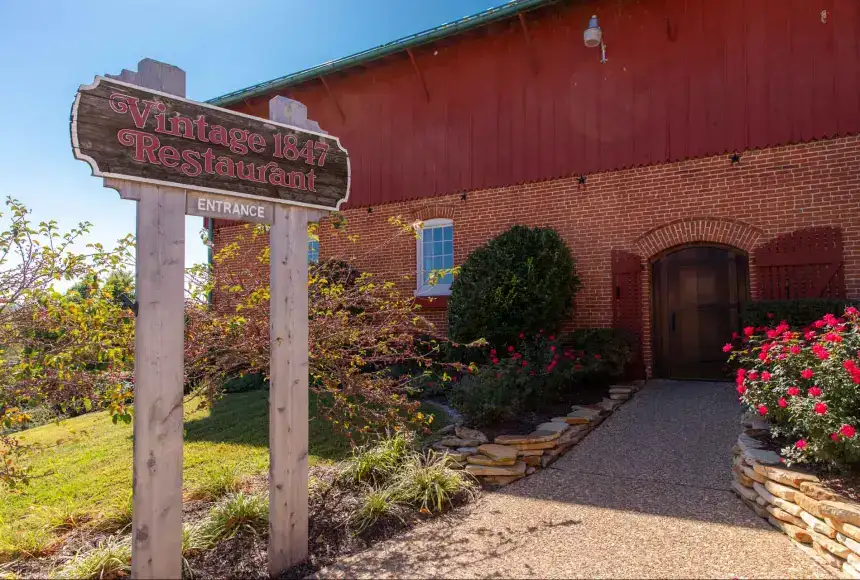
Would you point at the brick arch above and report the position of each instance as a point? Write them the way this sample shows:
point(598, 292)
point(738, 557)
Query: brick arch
point(433, 211)
point(689, 230)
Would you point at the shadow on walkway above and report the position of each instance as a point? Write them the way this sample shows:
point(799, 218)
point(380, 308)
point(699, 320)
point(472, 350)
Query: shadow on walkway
point(644, 495)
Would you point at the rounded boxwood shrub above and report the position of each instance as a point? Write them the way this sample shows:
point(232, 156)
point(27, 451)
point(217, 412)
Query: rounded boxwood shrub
point(523, 280)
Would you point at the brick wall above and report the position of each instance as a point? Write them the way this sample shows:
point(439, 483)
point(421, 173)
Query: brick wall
point(643, 210)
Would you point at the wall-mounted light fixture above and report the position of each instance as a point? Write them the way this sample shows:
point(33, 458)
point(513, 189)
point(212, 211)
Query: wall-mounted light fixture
point(593, 37)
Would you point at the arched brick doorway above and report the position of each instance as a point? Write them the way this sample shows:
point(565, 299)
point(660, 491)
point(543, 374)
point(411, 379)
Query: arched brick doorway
point(697, 293)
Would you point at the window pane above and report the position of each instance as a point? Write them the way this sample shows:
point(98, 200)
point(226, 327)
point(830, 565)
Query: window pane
point(446, 279)
point(428, 262)
point(313, 251)
point(448, 261)
point(437, 263)
point(449, 233)
point(448, 249)
point(438, 248)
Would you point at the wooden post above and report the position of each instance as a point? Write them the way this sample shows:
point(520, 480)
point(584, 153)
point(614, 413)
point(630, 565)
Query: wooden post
point(288, 373)
point(158, 368)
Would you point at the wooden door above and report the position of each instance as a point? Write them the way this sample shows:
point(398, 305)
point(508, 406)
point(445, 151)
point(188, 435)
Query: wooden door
point(698, 292)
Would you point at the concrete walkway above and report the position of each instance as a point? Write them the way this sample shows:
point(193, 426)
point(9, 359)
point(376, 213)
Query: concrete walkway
point(644, 495)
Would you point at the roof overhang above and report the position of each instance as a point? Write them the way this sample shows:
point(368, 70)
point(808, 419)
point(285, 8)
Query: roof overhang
point(508, 10)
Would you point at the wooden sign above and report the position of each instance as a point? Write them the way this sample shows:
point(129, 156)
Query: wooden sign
point(129, 132)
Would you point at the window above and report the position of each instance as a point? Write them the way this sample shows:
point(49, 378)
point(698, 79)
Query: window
point(313, 251)
point(435, 252)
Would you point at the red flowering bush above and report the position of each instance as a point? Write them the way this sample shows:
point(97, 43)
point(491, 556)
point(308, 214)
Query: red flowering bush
point(535, 370)
point(806, 383)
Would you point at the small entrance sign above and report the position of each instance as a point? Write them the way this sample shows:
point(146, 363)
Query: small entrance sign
point(133, 133)
point(229, 208)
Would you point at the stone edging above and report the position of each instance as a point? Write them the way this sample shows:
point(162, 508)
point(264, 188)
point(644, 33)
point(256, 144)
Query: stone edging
point(512, 457)
point(796, 503)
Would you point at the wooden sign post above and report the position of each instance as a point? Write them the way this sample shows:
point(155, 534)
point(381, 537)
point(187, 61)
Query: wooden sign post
point(176, 157)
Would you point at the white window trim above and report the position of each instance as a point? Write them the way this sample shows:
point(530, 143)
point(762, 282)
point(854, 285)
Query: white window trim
point(428, 289)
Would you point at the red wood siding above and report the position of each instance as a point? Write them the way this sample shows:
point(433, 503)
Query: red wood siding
point(685, 79)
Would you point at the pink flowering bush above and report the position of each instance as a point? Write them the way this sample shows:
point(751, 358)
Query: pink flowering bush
point(806, 384)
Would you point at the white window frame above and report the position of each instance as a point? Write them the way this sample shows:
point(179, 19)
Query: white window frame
point(422, 289)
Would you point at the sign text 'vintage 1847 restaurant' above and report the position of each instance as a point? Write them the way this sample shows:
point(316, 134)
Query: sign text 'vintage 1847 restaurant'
point(129, 132)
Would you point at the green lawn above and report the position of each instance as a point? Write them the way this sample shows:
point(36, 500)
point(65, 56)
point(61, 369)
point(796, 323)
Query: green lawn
point(85, 463)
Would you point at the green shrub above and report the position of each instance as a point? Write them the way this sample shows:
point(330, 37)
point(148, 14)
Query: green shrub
point(245, 383)
point(376, 464)
point(523, 280)
point(118, 517)
point(111, 558)
point(27, 542)
point(797, 313)
point(806, 384)
point(429, 485)
point(237, 513)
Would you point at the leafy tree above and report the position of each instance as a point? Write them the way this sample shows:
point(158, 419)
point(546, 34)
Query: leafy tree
point(57, 348)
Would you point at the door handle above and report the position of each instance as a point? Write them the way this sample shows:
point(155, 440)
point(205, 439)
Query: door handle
point(672, 322)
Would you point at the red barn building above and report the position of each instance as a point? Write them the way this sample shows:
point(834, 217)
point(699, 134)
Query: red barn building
point(713, 158)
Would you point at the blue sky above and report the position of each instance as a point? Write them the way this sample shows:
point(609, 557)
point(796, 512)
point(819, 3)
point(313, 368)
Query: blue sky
point(50, 47)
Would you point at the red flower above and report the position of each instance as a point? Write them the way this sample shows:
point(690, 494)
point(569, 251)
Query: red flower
point(835, 436)
point(541, 330)
point(765, 376)
point(806, 373)
point(552, 349)
point(820, 352)
point(492, 352)
point(597, 357)
point(741, 389)
point(525, 363)
point(762, 410)
point(770, 314)
point(516, 355)
point(782, 402)
point(847, 431)
point(820, 408)
point(577, 367)
point(850, 311)
point(749, 331)
point(735, 335)
point(510, 349)
point(794, 349)
point(495, 361)
point(522, 335)
point(814, 391)
point(727, 347)
point(793, 391)
point(753, 375)
point(819, 324)
point(801, 443)
point(552, 337)
point(832, 337)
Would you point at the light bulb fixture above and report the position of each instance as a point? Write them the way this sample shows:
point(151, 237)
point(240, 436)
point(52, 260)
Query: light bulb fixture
point(593, 37)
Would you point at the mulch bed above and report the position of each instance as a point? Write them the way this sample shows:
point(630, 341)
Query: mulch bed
point(527, 421)
point(246, 556)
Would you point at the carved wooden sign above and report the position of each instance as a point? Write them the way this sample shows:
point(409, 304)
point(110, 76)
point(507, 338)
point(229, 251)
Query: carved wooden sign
point(133, 133)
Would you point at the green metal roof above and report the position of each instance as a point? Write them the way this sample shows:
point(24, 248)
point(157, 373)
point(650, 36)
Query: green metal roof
point(445, 30)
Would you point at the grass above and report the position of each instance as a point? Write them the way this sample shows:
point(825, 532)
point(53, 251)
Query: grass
point(82, 468)
point(375, 464)
point(110, 559)
point(236, 513)
point(376, 503)
point(428, 484)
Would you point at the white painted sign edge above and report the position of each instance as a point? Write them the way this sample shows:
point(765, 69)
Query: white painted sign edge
point(99, 173)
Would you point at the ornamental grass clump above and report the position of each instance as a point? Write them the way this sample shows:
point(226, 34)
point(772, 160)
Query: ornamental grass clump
point(806, 384)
